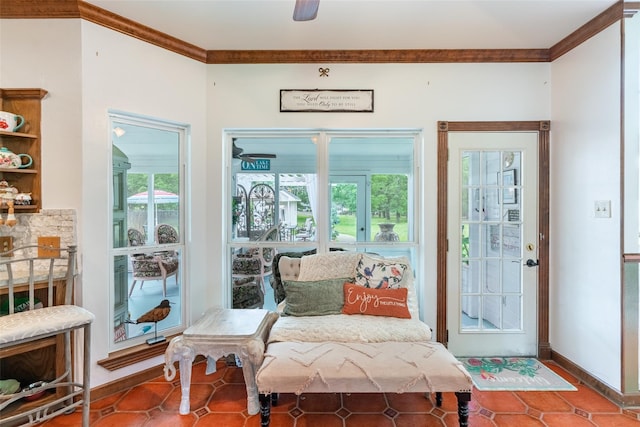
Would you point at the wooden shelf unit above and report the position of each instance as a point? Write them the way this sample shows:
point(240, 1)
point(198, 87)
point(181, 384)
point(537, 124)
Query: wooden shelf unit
point(27, 103)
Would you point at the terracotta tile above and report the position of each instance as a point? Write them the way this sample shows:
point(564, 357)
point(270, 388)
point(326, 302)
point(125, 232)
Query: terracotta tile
point(199, 375)
point(368, 420)
point(500, 401)
point(563, 373)
point(319, 402)
point(129, 419)
point(452, 420)
point(449, 401)
point(71, 420)
point(544, 401)
point(233, 376)
point(520, 420)
point(364, 402)
point(171, 419)
point(156, 403)
point(281, 420)
point(316, 420)
point(589, 400)
point(144, 397)
point(227, 419)
point(614, 420)
point(107, 401)
point(417, 420)
point(410, 402)
point(199, 395)
point(229, 398)
point(477, 420)
point(286, 402)
point(572, 420)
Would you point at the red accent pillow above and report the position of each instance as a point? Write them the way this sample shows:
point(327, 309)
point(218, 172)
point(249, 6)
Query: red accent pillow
point(375, 302)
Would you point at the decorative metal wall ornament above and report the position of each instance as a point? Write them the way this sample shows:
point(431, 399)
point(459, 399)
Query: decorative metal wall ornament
point(324, 72)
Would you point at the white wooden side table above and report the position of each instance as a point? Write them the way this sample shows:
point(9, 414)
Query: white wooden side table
point(220, 332)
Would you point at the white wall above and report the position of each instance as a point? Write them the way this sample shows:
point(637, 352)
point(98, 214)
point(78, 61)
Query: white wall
point(44, 54)
point(585, 166)
point(87, 70)
point(126, 74)
point(405, 96)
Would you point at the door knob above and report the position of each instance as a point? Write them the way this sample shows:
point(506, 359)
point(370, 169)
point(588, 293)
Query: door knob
point(532, 263)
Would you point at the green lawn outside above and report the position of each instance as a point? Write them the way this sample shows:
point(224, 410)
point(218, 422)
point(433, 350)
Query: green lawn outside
point(347, 225)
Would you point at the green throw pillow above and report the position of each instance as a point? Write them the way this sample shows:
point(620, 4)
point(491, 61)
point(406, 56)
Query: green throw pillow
point(314, 298)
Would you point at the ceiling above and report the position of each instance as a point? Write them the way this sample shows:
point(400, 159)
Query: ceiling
point(363, 24)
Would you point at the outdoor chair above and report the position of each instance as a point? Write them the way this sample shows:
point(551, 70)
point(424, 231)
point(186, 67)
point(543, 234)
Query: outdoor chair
point(151, 266)
point(305, 233)
point(254, 264)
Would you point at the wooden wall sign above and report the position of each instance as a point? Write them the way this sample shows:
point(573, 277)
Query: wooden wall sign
point(326, 101)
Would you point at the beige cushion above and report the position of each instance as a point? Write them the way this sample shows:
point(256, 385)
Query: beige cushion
point(330, 265)
point(32, 324)
point(391, 367)
point(348, 328)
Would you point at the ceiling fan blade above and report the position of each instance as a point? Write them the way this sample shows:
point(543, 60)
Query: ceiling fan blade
point(305, 10)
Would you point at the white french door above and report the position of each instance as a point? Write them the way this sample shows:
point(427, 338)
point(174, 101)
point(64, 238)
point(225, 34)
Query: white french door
point(355, 186)
point(492, 251)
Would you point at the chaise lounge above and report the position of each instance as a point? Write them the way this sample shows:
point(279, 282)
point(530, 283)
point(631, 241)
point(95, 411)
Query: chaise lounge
point(349, 324)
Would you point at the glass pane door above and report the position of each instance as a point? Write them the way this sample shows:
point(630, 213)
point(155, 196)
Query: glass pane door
point(348, 208)
point(492, 202)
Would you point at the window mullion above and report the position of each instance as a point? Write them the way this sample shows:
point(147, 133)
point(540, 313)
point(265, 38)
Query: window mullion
point(324, 213)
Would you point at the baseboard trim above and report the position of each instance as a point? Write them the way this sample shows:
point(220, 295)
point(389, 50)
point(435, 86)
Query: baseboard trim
point(623, 400)
point(129, 381)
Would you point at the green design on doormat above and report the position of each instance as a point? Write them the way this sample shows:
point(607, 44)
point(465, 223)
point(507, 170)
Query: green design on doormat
point(513, 373)
point(487, 367)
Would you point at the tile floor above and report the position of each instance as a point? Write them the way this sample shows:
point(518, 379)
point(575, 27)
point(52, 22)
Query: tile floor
point(219, 400)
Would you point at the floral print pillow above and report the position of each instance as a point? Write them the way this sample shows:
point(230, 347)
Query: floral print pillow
point(379, 273)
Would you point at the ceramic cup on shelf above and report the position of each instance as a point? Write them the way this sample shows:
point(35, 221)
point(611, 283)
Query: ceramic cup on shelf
point(10, 160)
point(10, 122)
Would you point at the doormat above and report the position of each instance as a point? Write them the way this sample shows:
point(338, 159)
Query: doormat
point(513, 374)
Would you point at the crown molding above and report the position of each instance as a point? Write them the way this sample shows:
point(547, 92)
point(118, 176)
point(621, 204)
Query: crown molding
point(134, 29)
point(376, 56)
point(588, 30)
point(36, 9)
point(43, 9)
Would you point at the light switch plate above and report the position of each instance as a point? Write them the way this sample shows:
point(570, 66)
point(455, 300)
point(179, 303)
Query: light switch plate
point(51, 247)
point(6, 244)
point(602, 208)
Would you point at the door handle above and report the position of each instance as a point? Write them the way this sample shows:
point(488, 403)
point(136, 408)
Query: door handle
point(531, 263)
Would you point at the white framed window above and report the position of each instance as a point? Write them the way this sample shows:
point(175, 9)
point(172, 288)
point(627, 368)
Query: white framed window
point(322, 190)
point(148, 251)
